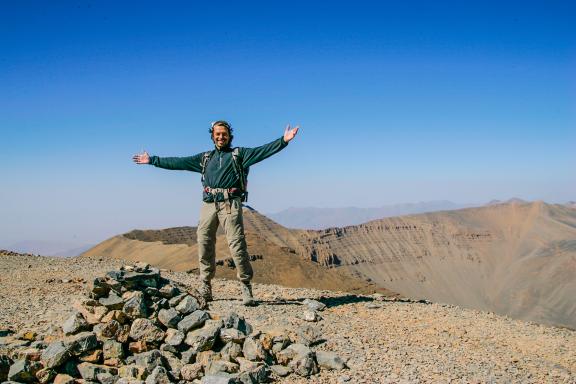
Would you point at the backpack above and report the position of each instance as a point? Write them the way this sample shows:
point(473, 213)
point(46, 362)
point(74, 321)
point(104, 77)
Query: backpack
point(241, 173)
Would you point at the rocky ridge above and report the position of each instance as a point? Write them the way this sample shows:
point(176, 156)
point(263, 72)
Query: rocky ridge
point(380, 340)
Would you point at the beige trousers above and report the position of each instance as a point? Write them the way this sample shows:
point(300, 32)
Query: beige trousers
point(229, 215)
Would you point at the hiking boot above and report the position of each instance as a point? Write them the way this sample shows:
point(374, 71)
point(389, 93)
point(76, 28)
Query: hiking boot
point(205, 291)
point(247, 298)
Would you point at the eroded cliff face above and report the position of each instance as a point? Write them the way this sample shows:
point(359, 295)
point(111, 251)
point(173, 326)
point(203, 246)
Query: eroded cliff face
point(517, 259)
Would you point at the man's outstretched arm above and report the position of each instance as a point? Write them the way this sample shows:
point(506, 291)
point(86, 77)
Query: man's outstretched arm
point(251, 156)
point(190, 163)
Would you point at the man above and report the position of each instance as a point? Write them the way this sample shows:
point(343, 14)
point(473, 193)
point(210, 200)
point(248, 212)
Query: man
point(224, 172)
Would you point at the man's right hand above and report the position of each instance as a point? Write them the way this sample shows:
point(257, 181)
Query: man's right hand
point(141, 158)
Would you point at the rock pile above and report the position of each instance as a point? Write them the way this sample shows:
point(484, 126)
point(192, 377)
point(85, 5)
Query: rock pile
point(136, 326)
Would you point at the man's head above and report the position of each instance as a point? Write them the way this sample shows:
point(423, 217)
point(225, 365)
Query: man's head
point(221, 133)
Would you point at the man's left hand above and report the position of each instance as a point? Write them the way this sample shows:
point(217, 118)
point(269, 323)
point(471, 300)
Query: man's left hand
point(290, 133)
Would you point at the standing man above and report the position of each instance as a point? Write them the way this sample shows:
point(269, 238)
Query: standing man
point(224, 171)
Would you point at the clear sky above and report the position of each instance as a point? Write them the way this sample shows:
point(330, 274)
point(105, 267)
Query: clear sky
point(399, 102)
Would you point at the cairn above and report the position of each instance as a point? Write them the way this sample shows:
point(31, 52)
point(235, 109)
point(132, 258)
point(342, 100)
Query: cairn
point(137, 327)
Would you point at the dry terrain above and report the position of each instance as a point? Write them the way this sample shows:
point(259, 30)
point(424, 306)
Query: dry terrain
point(382, 340)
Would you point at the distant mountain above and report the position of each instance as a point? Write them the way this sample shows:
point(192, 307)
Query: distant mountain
point(49, 248)
point(320, 218)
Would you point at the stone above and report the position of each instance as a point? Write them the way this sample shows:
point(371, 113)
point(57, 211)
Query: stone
point(117, 315)
point(123, 334)
point(106, 378)
point(204, 338)
point(188, 357)
point(74, 324)
point(221, 378)
point(129, 371)
point(107, 330)
point(24, 371)
point(63, 378)
point(169, 291)
point(186, 305)
point(233, 320)
point(158, 376)
point(112, 301)
point(194, 320)
point(218, 366)
point(304, 365)
point(174, 337)
point(138, 346)
point(97, 288)
point(142, 279)
point(81, 343)
point(258, 374)
point(329, 360)
point(309, 315)
point(56, 354)
point(232, 334)
point(89, 371)
point(293, 351)
point(135, 306)
point(144, 329)
point(5, 363)
point(314, 305)
point(280, 370)
point(46, 375)
point(172, 363)
point(308, 335)
point(169, 317)
point(112, 349)
point(93, 357)
point(205, 357)
point(231, 351)
point(190, 372)
point(149, 360)
point(253, 350)
point(31, 354)
point(168, 348)
point(28, 335)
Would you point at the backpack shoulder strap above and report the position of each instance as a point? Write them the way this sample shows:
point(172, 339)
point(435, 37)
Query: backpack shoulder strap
point(205, 157)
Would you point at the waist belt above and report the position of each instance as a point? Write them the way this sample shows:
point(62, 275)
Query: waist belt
point(226, 192)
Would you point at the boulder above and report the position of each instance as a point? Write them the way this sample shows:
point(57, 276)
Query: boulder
point(190, 372)
point(144, 329)
point(112, 301)
point(194, 320)
point(233, 320)
point(46, 375)
point(24, 371)
point(135, 306)
point(158, 376)
point(89, 371)
point(253, 350)
point(81, 343)
point(232, 334)
point(56, 354)
point(74, 324)
point(169, 317)
point(204, 338)
point(63, 378)
point(174, 337)
point(314, 305)
point(149, 360)
point(112, 350)
point(329, 360)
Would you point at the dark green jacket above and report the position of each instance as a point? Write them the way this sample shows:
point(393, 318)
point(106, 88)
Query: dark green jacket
point(220, 171)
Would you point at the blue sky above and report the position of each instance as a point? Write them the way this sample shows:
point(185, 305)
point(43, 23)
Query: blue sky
point(398, 102)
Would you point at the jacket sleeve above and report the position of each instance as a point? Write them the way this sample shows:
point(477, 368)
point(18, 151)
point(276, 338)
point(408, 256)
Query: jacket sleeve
point(190, 163)
point(251, 156)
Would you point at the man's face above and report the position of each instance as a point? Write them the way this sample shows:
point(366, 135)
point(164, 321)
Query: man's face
point(220, 136)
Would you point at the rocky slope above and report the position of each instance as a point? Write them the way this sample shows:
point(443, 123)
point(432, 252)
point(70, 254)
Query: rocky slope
point(517, 258)
point(382, 341)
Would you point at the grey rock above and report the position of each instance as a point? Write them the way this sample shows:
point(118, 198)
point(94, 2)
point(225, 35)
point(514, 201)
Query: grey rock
point(24, 371)
point(258, 374)
point(309, 315)
point(82, 342)
point(174, 337)
point(97, 288)
point(233, 320)
point(293, 351)
point(56, 354)
point(112, 350)
point(281, 370)
point(149, 360)
point(231, 351)
point(128, 380)
point(308, 335)
point(194, 320)
point(107, 330)
point(135, 306)
point(112, 301)
point(173, 302)
point(158, 376)
point(191, 372)
point(106, 378)
point(204, 338)
point(304, 366)
point(128, 371)
point(74, 324)
point(253, 350)
point(5, 363)
point(63, 378)
point(314, 305)
point(172, 363)
point(89, 371)
point(232, 334)
point(169, 317)
point(218, 366)
point(187, 305)
point(168, 348)
point(329, 360)
point(169, 291)
point(144, 329)
point(221, 378)
point(142, 279)
point(46, 375)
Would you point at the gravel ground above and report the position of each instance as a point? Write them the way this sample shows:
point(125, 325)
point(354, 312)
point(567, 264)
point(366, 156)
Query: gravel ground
point(382, 341)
